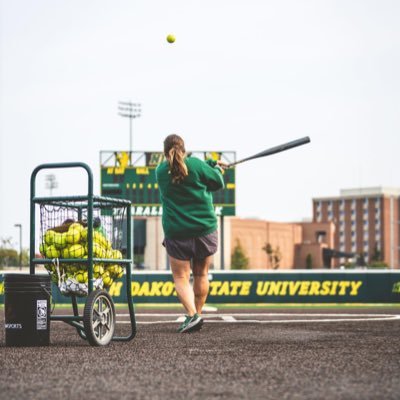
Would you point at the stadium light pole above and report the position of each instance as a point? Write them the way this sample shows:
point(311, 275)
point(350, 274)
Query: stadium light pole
point(20, 244)
point(51, 183)
point(129, 110)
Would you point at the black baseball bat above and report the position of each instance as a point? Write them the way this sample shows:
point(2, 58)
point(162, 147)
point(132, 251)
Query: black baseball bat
point(274, 150)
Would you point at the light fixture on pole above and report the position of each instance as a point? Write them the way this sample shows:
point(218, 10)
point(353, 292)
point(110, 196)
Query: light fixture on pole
point(129, 110)
point(51, 183)
point(20, 244)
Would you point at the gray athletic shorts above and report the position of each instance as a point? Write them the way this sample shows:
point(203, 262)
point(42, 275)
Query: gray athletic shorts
point(197, 248)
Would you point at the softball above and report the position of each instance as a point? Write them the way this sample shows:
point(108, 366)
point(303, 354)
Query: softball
point(170, 38)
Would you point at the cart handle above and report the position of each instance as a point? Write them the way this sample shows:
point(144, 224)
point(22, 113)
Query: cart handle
point(33, 192)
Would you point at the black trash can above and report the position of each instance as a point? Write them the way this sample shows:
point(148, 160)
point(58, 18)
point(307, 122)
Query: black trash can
point(27, 309)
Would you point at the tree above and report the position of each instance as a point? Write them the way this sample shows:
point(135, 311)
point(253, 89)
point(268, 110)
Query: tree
point(277, 258)
point(377, 255)
point(268, 249)
point(8, 256)
point(309, 261)
point(274, 255)
point(25, 257)
point(5, 243)
point(376, 259)
point(238, 258)
point(378, 264)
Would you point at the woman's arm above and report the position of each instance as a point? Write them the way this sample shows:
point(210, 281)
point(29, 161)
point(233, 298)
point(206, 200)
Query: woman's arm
point(212, 175)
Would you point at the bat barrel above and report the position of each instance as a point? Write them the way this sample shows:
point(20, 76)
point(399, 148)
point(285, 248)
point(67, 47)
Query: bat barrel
point(274, 150)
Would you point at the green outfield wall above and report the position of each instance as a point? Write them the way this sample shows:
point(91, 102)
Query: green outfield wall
point(291, 286)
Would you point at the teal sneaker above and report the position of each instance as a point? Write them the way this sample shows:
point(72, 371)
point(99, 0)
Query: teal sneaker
point(184, 323)
point(192, 324)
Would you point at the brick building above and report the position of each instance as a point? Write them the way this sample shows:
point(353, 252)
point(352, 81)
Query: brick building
point(253, 235)
point(367, 223)
point(357, 222)
point(300, 244)
point(294, 242)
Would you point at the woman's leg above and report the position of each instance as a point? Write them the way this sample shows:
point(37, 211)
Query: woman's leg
point(181, 274)
point(200, 282)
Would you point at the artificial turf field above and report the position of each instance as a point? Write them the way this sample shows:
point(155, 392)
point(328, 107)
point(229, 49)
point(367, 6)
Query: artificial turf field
point(241, 353)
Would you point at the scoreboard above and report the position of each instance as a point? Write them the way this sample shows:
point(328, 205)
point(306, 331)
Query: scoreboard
point(131, 175)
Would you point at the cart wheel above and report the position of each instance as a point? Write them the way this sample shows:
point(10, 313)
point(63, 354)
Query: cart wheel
point(99, 318)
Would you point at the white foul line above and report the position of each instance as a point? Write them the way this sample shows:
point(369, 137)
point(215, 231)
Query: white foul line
point(230, 318)
point(257, 315)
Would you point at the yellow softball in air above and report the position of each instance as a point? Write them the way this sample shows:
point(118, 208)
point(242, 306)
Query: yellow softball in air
point(170, 38)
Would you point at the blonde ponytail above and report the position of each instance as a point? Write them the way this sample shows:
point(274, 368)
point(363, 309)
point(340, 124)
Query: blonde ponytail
point(175, 153)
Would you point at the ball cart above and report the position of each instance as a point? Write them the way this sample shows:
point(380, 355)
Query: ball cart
point(85, 245)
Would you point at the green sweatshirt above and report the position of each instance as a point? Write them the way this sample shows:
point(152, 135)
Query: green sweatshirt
point(188, 210)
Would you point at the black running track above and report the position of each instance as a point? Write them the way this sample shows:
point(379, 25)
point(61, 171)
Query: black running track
point(238, 354)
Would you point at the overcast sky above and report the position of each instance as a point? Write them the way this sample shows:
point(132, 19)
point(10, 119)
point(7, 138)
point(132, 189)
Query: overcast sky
point(241, 76)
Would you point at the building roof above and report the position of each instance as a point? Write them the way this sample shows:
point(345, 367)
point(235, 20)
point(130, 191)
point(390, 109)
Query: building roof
point(363, 192)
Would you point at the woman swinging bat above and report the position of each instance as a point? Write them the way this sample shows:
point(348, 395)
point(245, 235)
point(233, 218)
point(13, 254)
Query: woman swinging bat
point(189, 223)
